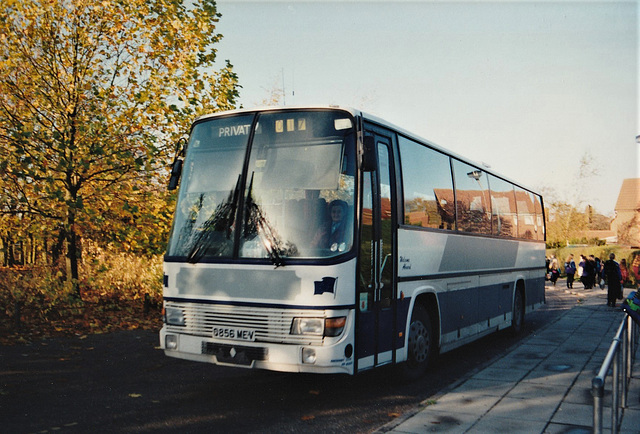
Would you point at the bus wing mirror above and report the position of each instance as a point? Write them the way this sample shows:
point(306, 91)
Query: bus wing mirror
point(176, 166)
point(369, 154)
point(176, 171)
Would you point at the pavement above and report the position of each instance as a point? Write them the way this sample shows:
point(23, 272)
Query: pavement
point(541, 385)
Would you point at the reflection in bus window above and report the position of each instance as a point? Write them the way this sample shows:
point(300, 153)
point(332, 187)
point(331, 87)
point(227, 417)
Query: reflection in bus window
point(527, 222)
point(503, 208)
point(428, 190)
point(472, 198)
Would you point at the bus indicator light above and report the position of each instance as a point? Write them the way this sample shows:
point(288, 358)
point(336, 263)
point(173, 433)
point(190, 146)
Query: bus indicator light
point(334, 326)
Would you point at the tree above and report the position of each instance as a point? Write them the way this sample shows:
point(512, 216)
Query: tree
point(91, 95)
point(565, 223)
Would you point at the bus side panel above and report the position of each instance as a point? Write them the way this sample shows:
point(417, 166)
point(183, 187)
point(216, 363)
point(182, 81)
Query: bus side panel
point(365, 343)
point(459, 306)
point(495, 300)
point(401, 320)
point(531, 256)
point(534, 292)
point(426, 253)
point(474, 279)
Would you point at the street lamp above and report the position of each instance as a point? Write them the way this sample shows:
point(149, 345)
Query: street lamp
point(477, 174)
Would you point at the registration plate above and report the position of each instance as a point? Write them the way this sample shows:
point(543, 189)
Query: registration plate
point(234, 333)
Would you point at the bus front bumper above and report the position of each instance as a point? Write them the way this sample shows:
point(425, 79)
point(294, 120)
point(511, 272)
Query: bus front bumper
point(326, 359)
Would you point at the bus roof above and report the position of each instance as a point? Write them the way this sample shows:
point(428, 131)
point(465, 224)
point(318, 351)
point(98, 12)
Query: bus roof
point(371, 118)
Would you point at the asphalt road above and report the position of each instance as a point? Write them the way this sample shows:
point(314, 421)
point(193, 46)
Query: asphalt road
point(121, 382)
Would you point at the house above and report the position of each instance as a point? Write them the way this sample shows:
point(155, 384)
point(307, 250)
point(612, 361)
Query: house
point(626, 223)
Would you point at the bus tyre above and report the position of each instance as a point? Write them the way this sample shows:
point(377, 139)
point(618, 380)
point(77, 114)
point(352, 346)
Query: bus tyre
point(517, 319)
point(420, 344)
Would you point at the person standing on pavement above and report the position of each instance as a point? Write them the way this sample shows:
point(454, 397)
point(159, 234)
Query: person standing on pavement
point(547, 262)
point(594, 272)
point(570, 270)
point(587, 272)
point(613, 277)
point(554, 272)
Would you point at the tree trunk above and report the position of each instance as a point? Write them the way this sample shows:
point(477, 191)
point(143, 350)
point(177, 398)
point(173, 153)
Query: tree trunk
point(56, 252)
point(74, 253)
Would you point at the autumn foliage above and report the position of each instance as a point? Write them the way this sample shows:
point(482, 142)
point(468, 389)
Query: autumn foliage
point(93, 98)
point(121, 291)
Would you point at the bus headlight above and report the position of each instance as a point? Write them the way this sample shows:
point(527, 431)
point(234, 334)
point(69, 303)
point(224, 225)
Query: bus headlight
point(330, 327)
point(307, 326)
point(173, 316)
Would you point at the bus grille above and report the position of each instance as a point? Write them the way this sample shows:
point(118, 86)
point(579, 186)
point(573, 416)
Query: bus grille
point(270, 325)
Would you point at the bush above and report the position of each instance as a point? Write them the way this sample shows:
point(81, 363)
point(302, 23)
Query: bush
point(119, 291)
point(112, 275)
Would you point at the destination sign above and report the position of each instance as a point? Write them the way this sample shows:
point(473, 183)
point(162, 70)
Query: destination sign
point(234, 130)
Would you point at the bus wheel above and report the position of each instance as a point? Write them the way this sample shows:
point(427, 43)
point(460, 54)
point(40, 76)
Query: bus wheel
point(517, 318)
point(420, 344)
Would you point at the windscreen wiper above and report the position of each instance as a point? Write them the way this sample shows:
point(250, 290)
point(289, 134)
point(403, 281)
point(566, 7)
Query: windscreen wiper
point(216, 230)
point(256, 223)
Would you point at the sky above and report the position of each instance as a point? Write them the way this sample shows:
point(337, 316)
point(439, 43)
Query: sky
point(532, 89)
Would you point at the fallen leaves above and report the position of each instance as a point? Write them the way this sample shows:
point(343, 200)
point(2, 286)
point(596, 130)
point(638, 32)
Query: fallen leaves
point(88, 319)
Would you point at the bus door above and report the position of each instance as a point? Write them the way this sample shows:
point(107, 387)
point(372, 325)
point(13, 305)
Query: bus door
point(377, 283)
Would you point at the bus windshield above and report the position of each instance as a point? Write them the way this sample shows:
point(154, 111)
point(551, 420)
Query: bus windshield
point(274, 187)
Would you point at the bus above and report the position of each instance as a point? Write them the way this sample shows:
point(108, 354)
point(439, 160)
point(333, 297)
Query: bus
point(326, 240)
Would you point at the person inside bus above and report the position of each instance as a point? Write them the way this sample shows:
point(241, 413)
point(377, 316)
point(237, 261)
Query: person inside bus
point(333, 234)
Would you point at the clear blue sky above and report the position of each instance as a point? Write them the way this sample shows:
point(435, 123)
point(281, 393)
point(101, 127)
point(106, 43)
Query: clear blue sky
point(527, 87)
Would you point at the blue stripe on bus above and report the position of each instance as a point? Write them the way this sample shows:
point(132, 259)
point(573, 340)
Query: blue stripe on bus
point(468, 273)
point(253, 304)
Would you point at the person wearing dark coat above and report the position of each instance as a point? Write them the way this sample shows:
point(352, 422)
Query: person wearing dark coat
point(570, 270)
point(612, 275)
point(588, 270)
point(333, 234)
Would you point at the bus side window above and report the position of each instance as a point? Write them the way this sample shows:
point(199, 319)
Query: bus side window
point(428, 189)
point(473, 199)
